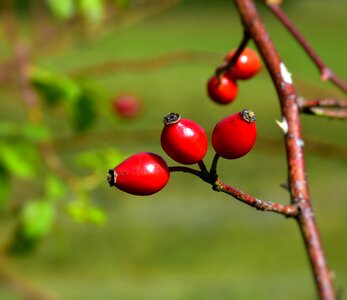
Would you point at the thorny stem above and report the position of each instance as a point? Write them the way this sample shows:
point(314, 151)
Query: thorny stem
point(231, 62)
point(298, 185)
point(326, 73)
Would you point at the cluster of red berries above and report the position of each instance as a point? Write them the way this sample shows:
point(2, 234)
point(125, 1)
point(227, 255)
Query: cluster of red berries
point(186, 142)
point(222, 88)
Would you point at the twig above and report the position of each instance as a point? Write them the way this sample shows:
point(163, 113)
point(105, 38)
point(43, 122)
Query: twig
point(287, 210)
point(145, 64)
point(326, 73)
point(329, 107)
point(219, 186)
point(298, 185)
point(326, 102)
point(328, 113)
point(231, 62)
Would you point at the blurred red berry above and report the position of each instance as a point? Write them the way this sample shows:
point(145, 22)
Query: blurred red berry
point(247, 65)
point(222, 90)
point(127, 106)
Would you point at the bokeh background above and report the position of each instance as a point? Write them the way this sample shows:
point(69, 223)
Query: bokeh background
point(64, 234)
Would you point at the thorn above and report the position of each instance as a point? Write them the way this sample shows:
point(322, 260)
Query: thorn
point(287, 77)
point(317, 111)
point(283, 125)
point(285, 185)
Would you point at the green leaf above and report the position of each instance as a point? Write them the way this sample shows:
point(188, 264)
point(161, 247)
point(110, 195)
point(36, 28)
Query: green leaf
point(121, 3)
point(4, 187)
point(54, 187)
point(8, 128)
point(37, 218)
point(82, 212)
point(18, 159)
point(54, 88)
point(83, 112)
point(62, 9)
point(36, 132)
point(21, 244)
point(93, 10)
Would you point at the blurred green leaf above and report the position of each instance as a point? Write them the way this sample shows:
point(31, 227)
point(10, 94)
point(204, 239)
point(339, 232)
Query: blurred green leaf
point(4, 187)
point(62, 9)
point(81, 211)
point(93, 10)
point(83, 112)
point(36, 132)
point(21, 244)
point(54, 88)
point(54, 187)
point(18, 159)
point(8, 128)
point(121, 3)
point(37, 218)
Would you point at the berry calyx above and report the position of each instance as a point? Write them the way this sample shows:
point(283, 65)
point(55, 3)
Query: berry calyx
point(247, 65)
point(126, 106)
point(222, 89)
point(141, 174)
point(183, 140)
point(235, 135)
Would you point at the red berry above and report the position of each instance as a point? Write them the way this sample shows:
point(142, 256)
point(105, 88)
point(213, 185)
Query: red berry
point(141, 174)
point(235, 135)
point(247, 65)
point(127, 106)
point(222, 90)
point(183, 140)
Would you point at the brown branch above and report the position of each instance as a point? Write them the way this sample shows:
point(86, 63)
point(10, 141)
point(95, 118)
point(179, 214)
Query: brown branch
point(19, 285)
point(329, 107)
point(327, 113)
point(326, 102)
point(145, 64)
point(298, 185)
point(219, 186)
point(326, 73)
point(287, 210)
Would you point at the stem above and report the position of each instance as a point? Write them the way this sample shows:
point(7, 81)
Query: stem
point(185, 170)
point(326, 73)
point(214, 164)
point(328, 113)
point(293, 142)
point(231, 62)
point(327, 102)
point(287, 210)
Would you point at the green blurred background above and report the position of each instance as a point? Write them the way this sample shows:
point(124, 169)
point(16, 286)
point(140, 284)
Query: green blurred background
point(186, 242)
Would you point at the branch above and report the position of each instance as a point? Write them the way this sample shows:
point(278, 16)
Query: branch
point(144, 64)
point(328, 113)
point(329, 107)
point(298, 185)
point(326, 102)
point(287, 210)
point(219, 186)
point(326, 73)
